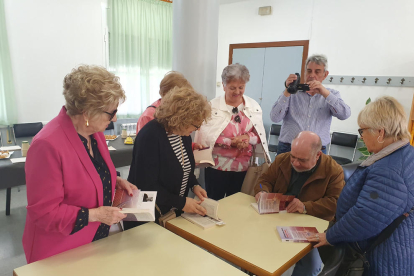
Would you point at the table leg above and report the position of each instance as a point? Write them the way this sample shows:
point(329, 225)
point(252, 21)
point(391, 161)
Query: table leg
point(8, 200)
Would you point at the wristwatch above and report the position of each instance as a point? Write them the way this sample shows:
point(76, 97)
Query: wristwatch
point(304, 209)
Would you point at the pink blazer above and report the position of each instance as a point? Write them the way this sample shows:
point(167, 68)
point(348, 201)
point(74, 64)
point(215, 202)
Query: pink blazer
point(60, 178)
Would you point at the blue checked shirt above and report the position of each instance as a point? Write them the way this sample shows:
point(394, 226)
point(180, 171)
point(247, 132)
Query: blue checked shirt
point(302, 111)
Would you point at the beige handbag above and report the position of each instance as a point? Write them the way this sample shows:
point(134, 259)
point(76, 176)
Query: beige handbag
point(253, 173)
point(166, 217)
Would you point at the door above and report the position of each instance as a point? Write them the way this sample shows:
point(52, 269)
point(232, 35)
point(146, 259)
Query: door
point(269, 67)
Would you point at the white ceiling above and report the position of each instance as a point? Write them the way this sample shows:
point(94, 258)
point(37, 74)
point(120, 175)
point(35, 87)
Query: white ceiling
point(230, 1)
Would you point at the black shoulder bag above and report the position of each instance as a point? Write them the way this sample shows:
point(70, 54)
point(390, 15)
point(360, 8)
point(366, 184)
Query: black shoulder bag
point(347, 259)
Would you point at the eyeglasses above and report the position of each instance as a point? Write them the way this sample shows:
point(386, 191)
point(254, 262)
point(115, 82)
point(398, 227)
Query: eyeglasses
point(196, 127)
point(237, 119)
point(111, 115)
point(361, 130)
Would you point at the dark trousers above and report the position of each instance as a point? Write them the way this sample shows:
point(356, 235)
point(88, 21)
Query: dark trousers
point(286, 147)
point(221, 183)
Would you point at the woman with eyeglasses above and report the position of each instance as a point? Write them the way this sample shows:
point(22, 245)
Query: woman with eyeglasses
point(163, 159)
point(380, 190)
point(235, 129)
point(70, 176)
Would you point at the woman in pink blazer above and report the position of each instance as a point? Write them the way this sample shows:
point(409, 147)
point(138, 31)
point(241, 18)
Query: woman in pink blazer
point(70, 177)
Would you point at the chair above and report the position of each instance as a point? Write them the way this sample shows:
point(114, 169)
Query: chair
point(111, 127)
point(274, 131)
point(343, 140)
point(21, 130)
point(349, 169)
point(26, 130)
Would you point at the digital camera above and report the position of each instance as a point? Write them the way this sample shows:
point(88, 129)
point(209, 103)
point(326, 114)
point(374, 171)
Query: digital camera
point(297, 86)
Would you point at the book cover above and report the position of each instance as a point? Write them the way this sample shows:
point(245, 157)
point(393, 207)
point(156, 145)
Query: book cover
point(296, 233)
point(139, 207)
point(203, 158)
point(269, 203)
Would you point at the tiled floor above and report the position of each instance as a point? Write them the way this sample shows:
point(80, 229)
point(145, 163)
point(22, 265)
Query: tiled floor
point(11, 231)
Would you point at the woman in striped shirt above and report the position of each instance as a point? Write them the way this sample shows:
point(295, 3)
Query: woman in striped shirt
point(163, 159)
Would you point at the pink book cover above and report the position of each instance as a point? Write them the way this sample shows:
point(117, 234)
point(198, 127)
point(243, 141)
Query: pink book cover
point(123, 200)
point(273, 202)
point(296, 233)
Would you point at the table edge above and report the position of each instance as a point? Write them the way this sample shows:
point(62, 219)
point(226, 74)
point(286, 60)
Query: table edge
point(233, 258)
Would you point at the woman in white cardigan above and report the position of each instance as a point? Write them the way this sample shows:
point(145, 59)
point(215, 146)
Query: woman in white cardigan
point(235, 128)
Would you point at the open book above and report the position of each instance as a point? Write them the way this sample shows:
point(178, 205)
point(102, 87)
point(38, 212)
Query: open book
point(270, 203)
point(139, 207)
point(203, 158)
point(210, 219)
point(296, 233)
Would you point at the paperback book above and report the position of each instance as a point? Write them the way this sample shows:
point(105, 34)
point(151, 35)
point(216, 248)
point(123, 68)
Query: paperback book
point(138, 207)
point(296, 233)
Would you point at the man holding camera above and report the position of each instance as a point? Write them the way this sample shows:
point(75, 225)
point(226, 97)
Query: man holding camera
point(310, 110)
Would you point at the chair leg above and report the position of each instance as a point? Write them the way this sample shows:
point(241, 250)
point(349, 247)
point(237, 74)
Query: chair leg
point(8, 200)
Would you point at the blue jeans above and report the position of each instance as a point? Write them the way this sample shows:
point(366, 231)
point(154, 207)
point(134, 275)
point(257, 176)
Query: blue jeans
point(310, 265)
point(286, 147)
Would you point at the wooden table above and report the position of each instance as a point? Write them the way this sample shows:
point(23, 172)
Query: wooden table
point(145, 250)
point(248, 239)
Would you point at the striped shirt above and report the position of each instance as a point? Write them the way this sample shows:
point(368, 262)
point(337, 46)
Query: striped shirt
point(302, 111)
point(179, 150)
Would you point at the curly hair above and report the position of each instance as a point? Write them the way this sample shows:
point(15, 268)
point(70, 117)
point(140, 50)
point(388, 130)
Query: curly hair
point(181, 108)
point(173, 79)
point(91, 89)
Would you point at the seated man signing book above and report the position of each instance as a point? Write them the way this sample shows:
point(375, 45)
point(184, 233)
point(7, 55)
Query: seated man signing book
point(316, 181)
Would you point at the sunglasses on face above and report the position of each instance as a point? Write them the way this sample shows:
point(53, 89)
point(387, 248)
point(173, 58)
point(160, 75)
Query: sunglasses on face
point(237, 119)
point(111, 115)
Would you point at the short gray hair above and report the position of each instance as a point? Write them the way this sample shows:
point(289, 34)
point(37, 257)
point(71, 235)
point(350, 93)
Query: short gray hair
point(315, 145)
point(318, 59)
point(235, 72)
point(388, 114)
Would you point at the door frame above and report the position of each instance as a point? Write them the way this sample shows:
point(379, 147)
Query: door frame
point(304, 43)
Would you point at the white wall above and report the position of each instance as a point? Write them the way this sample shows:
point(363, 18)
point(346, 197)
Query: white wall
point(370, 37)
point(48, 38)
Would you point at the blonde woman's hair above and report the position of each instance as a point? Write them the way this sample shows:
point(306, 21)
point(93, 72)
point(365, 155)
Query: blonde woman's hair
point(91, 89)
point(388, 114)
point(181, 108)
point(173, 79)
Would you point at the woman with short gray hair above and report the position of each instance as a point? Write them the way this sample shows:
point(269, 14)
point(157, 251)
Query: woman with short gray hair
point(235, 129)
point(380, 190)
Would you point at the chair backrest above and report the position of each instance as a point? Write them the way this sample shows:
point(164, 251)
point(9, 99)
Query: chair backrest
point(273, 139)
point(349, 170)
point(26, 130)
point(110, 126)
point(344, 144)
point(275, 129)
point(344, 139)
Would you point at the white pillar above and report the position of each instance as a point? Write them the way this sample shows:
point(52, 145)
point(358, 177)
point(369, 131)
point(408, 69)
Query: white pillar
point(195, 36)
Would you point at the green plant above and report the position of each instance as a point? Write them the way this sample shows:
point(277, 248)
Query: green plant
point(363, 150)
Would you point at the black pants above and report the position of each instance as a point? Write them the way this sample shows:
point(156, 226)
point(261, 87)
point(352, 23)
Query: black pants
point(222, 183)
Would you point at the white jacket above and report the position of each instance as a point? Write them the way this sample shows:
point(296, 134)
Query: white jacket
point(220, 118)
